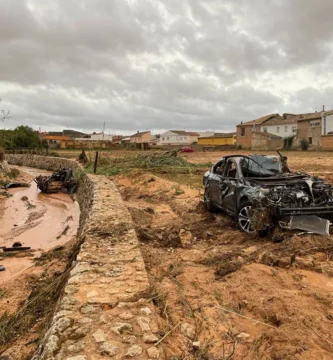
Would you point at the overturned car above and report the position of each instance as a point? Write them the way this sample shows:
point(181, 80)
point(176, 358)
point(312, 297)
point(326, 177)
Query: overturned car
point(61, 180)
point(260, 192)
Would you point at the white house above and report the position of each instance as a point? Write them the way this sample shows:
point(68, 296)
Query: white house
point(284, 126)
point(178, 137)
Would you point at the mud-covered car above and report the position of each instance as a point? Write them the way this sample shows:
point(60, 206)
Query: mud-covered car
point(260, 192)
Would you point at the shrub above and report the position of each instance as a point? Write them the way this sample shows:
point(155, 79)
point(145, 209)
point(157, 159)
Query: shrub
point(288, 142)
point(304, 144)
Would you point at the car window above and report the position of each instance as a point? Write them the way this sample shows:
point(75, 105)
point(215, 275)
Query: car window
point(219, 168)
point(231, 170)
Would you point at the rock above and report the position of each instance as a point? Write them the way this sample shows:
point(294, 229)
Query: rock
point(105, 319)
point(153, 352)
point(134, 350)
point(304, 263)
point(78, 357)
point(130, 339)
point(209, 234)
point(145, 310)
point(84, 321)
point(185, 237)
point(125, 315)
point(79, 333)
point(99, 336)
point(242, 336)
point(188, 330)
point(196, 345)
point(149, 338)
point(75, 348)
point(109, 349)
point(86, 309)
point(118, 328)
point(144, 323)
point(62, 324)
point(52, 345)
point(285, 261)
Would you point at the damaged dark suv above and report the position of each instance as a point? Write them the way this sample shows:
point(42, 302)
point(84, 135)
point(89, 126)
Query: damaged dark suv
point(261, 192)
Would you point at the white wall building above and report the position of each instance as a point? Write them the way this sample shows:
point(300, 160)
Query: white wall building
point(327, 124)
point(178, 137)
point(284, 126)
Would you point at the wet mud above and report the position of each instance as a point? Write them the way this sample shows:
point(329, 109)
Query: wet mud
point(35, 220)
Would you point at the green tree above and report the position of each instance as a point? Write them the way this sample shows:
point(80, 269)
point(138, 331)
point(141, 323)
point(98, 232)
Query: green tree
point(25, 136)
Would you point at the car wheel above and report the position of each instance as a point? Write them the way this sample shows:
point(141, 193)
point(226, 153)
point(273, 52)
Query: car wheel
point(207, 201)
point(244, 217)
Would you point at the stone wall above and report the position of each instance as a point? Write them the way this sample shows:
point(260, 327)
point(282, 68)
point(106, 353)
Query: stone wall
point(103, 312)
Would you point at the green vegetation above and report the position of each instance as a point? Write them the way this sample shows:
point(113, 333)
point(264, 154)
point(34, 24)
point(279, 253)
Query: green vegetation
point(304, 144)
point(22, 136)
point(288, 142)
point(167, 162)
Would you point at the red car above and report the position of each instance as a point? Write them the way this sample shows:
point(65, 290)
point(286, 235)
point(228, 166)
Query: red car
point(186, 149)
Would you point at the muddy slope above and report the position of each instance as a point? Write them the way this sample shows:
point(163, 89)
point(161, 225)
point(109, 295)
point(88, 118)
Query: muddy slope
point(222, 294)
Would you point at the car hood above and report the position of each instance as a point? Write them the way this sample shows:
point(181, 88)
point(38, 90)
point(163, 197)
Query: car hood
point(283, 179)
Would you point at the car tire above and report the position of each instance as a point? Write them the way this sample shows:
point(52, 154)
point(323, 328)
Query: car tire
point(244, 217)
point(207, 201)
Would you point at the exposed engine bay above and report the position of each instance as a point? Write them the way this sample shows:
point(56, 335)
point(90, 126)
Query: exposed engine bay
point(262, 192)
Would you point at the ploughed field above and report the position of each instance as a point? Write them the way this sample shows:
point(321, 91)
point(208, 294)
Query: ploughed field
point(220, 293)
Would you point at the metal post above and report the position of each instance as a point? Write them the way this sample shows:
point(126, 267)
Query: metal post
point(96, 161)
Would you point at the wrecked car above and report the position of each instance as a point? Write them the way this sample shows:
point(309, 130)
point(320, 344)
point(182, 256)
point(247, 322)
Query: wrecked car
point(260, 192)
point(61, 180)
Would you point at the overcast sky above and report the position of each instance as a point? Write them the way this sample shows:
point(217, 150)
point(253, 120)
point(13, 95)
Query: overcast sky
point(171, 64)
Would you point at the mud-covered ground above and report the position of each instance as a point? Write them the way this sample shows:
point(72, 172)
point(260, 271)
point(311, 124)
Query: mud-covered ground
point(47, 224)
point(222, 294)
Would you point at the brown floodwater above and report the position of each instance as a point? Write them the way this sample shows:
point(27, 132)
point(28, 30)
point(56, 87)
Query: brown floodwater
point(40, 221)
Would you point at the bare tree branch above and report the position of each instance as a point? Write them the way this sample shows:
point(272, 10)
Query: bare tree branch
point(5, 114)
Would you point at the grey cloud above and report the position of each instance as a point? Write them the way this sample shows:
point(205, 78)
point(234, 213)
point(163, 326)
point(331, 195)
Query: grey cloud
point(140, 64)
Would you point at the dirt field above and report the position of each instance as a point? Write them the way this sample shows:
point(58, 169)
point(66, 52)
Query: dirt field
point(222, 294)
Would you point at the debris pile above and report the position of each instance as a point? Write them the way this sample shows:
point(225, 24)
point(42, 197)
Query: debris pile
point(61, 180)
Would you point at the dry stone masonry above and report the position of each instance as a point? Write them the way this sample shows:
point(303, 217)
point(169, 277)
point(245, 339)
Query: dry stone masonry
point(103, 313)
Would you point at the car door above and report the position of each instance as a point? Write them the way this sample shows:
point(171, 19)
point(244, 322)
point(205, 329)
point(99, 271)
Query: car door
point(215, 182)
point(228, 187)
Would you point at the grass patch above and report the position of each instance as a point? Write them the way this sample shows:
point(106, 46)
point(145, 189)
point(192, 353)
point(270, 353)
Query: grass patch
point(160, 162)
point(3, 293)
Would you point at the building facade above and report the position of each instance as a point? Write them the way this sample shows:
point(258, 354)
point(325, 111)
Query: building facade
point(218, 139)
point(178, 137)
point(143, 137)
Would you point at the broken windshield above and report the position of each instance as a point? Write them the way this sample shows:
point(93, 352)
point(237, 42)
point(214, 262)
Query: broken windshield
point(261, 166)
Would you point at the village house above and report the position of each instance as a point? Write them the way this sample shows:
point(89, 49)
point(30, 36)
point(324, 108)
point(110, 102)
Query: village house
point(284, 126)
point(56, 141)
point(141, 137)
point(218, 139)
point(178, 137)
point(313, 127)
point(245, 130)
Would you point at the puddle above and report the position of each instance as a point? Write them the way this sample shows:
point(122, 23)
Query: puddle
point(36, 220)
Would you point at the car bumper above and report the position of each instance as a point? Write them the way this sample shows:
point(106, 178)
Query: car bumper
point(311, 210)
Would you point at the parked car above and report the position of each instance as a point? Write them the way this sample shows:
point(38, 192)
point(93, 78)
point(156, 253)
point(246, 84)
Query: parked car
point(260, 191)
point(186, 149)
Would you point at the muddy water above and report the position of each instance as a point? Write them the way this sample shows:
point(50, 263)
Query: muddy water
point(40, 221)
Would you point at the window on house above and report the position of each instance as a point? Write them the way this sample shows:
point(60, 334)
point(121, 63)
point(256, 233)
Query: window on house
point(315, 123)
point(185, 137)
point(181, 138)
point(265, 130)
point(310, 140)
point(278, 129)
point(168, 138)
point(286, 129)
point(163, 138)
point(242, 131)
point(294, 129)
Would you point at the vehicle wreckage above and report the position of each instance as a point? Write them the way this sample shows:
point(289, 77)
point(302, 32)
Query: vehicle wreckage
point(261, 192)
point(61, 180)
